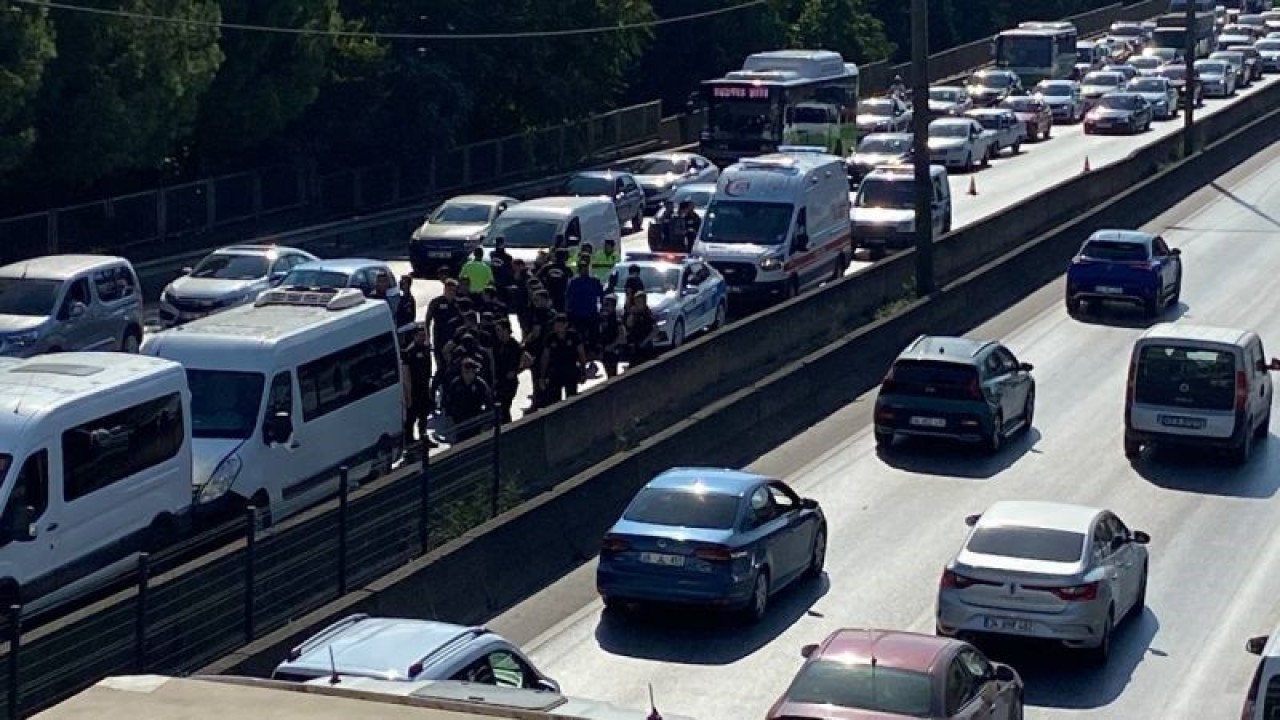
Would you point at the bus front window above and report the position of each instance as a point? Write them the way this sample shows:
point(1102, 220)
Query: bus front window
point(1024, 52)
point(743, 118)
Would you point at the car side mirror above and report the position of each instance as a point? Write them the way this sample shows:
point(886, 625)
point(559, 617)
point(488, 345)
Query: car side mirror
point(808, 504)
point(278, 429)
point(808, 650)
point(1141, 538)
point(972, 520)
point(1026, 367)
point(187, 270)
point(1255, 645)
point(1005, 674)
point(1275, 365)
point(546, 685)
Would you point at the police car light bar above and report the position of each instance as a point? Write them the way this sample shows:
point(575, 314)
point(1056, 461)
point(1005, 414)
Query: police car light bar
point(671, 257)
point(816, 149)
point(328, 298)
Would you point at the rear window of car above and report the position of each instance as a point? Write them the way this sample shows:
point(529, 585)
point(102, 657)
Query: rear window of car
point(1027, 543)
point(1271, 704)
point(1118, 251)
point(931, 379)
point(1199, 378)
point(861, 687)
point(683, 508)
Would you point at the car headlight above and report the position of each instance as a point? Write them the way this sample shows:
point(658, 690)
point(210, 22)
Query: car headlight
point(771, 263)
point(222, 478)
point(166, 296)
point(30, 337)
point(662, 314)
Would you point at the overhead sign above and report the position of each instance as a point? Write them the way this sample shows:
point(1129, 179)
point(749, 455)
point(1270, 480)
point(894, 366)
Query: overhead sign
point(745, 92)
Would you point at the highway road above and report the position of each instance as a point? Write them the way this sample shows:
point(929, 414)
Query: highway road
point(895, 520)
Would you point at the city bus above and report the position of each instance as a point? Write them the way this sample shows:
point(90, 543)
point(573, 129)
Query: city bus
point(781, 97)
point(1037, 51)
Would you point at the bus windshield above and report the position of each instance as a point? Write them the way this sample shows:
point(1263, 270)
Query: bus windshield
point(743, 117)
point(1024, 51)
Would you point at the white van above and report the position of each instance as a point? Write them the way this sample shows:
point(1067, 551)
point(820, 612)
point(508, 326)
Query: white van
point(1196, 385)
point(1263, 699)
point(95, 453)
point(284, 393)
point(884, 211)
point(779, 223)
point(533, 225)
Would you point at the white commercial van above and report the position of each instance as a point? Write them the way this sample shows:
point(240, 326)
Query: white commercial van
point(1196, 385)
point(95, 455)
point(284, 393)
point(884, 211)
point(533, 225)
point(779, 223)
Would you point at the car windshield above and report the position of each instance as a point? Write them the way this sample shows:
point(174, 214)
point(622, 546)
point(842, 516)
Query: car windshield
point(1194, 378)
point(1174, 73)
point(926, 378)
point(1021, 104)
point(1103, 79)
point(1146, 85)
point(876, 193)
point(945, 94)
point(740, 222)
point(1119, 102)
point(1231, 57)
point(861, 686)
point(875, 107)
point(589, 185)
point(655, 279)
point(885, 146)
point(523, 232)
point(28, 297)
point(1027, 543)
point(1117, 251)
point(232, 267)
point(683, 508)
point(315, 278)
point(1054, 90)
point(1212, 68)
point(954, 130)
point(994, 80)
point(461, 214)
point(1268, 45)
point(224, 404)
point(655, 166)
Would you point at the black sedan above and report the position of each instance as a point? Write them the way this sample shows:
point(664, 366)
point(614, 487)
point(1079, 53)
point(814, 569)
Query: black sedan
point(1123, 112)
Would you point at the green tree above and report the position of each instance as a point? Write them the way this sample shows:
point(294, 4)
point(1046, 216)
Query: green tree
point(267, 81)
point(845, 26)
point(122, 93)
point(26, 47)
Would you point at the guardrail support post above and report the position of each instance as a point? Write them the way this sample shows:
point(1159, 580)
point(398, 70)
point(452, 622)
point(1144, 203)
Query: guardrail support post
point(250, 557)
point(15, 644)
point(424, 500)
point(1189, 84)
point(344, 499)
point(920, 148)
point(140, 620)
point(497, 459)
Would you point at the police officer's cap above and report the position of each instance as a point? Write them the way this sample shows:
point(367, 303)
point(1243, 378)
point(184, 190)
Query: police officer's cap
point(471, 363)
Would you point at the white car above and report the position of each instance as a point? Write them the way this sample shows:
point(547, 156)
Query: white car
point(685, 293)
point(960, 143)
point(226, 278)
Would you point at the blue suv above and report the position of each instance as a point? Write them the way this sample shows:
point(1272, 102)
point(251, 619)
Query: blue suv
point(1125, 266)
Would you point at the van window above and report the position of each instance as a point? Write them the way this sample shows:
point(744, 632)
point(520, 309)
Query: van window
point(523, 232)
point(923, 378)
point(28, 297)
point(1271, 704)
point(30, 489)
point(1186, 377)
point(113, 284)
point(353, 373)
point(113, 447)
point(877, 193)
point(77, 293)
point(224, 404)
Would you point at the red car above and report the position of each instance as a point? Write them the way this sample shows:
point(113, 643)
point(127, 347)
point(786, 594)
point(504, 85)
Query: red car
point(882, 674)
point(1034, 113)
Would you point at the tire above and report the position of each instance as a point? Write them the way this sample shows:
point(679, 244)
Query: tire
point(1017, 148)
point(160, 534)
point(837, 268)
point(1029, 411)
point(383, 459)
point(1263, 431)
point(1100, 654)
point(1132, 446)
point(758, 605)
point(793, 289)
point(1048, 133)
point(986, 157)
point(721, 313)
point(131, 342)
point(1240, 453)
point(818, 556)
point(677, 334)
point(1141, 601)
point(1073, 306)
point(1151, 308)
point(996, 440)
point(884, 440)
point(1176, 295)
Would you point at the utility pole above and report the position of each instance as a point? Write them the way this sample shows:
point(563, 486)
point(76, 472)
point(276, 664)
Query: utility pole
point(920, 145)
point(1190, 83)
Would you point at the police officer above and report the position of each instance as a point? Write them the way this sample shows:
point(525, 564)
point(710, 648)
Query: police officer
point(509, 360)
point(503, 271)
point(417, 359)
point(692, 224)
point(564, 359)
point(555, 278)
point(466, 400)
point(604, 260)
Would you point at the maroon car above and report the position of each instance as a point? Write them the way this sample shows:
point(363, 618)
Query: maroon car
point(882, 674)
point(1034, 113)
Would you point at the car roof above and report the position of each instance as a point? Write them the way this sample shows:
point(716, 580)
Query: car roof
point(479, 199)
point(1135, 237)
point(944, 349)
point(957, 88)
point(31, 386)
point(1040, 514)
point(382, 647)
point(1096, 73)
point(602, 174)
point(1186, 331)
point(344, 265)
point(889, 648)
point(696, 188)
point(716, 481)
point(670, 156)
point(1057, 82)
point(255, 250)
point(887, 136)
point(59, 267)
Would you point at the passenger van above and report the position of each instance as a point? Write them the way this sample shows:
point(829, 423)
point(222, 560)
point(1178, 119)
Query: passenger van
point(884, 211)
point(61, 303)
point(284, 393)
point(95, 457)
point(779, 223)
point(533, 225)
point(1263, 699)
point(1196, 385)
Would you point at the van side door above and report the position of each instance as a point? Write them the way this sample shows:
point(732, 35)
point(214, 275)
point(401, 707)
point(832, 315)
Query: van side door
point(29, 557)
point(76, 328)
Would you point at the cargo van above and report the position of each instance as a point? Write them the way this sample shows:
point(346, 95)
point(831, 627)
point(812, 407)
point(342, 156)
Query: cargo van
point(1197, 385)
point(95, 457)
point(779, 223)
point(284, 393)
point(1263, 699)
point(884, 211)
point(533, 225)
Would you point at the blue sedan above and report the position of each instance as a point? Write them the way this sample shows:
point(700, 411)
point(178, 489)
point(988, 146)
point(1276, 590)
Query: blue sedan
point(704, 536)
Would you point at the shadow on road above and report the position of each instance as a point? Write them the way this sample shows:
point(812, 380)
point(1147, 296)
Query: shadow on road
point(1196, 470)
point(954, 459)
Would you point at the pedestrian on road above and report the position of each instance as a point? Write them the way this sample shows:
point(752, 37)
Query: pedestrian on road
point(476, 272)
point(541, 318)
point(490, 302)
point(467, 400)
point(642, 330)
point(503, 272)
point(441, 313)
point(609, 338)
point(417, 360)
point(406, 304)
point(555, 278)
point(509, 360)
point(603, 261)
point(633, 285)
point(564, 359)
point(692, 224)
point(582, 302)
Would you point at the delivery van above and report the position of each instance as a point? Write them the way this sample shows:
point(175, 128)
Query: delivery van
point(532, 226)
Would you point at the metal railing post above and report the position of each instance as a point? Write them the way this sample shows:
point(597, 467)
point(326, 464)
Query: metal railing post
point(250, 555)
point(140, 620)
point(424, 499)
point(344, 499)
point(497, 459)
point(15, 645)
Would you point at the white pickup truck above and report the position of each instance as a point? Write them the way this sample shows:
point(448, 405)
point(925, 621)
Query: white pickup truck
point(1004, 124)
point(960, 142)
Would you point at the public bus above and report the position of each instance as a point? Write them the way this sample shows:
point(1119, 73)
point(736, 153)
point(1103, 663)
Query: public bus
point(1037, 51)
point(781, 97)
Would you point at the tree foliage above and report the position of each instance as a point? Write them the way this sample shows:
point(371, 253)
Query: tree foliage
point(845, 26)
point(26, 47)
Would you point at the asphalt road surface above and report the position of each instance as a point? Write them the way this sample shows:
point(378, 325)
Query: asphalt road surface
point(895, 520)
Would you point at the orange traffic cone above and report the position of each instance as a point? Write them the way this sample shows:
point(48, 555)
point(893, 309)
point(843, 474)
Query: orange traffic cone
point(973, 186)
point(1086, 164)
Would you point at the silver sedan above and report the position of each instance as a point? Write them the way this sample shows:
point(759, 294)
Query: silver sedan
point(1045, 570)
point(1158, 91)
point(660, 174)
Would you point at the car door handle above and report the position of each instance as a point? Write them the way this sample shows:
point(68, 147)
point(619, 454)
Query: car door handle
point(52, 527)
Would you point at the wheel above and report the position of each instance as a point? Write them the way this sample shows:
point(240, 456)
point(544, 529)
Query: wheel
point(382, 461)
point(792, 289)
point(1032, 136)
point(1073, 306)
point(677, 334)
point(986, 157)
point(1141, 601)
point(884, 439)
point(837, 268)
point(759, 602)
point(1029, 411)
point(1048, 132)
point(1263, 430)
point(1240, 453)
point(718, 322)
point(131, 342)
point(1176, 295)
point(1017, 148)
point(996, 440)
point(1132, 445)
point(637, 222)
point(1151, 307)
point(162, 533)
point(1100, 654)
point(818, 557)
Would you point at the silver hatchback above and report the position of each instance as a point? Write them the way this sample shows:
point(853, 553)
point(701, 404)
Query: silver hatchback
point(1045, 570)
point(69, 302)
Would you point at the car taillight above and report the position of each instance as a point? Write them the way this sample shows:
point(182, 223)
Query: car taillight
point(715, 553)
point(1129, 385)
point(1242, 391)
point(614, 544)
point(952, 580)
point(1073, 593)
point(1141, 264)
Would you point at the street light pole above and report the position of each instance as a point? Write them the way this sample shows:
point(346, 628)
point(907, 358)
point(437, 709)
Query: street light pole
point(1190, 82)
point(920, 145)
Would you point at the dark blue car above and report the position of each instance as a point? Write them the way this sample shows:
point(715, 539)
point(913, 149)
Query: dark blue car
point(1125, 266)
point(703, 536)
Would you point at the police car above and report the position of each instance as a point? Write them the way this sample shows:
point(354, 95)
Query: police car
point(685, 293)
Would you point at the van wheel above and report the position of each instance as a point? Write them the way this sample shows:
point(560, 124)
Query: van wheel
point(382, 461)
point(1264, 428)
point(262, 504)
point(1132, 446)
point(132, 341)
point(837, 269)
point(721, 313)
point(161, 534)
point(1240, 453)
point(996, 440)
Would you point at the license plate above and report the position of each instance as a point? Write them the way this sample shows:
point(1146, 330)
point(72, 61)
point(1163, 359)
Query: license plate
point(1109, 290)
point(662, 559)
point(440, 254)
point(929, 422)
point(1003, 623)
point(1189, 423)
